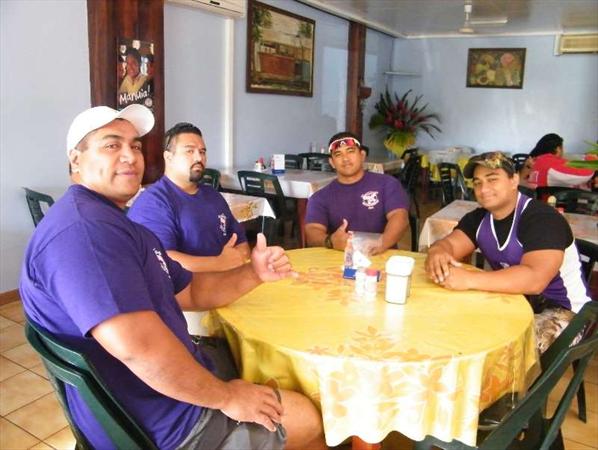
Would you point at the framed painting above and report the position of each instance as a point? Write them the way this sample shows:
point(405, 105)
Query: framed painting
point(280, 51)
point(495, 67)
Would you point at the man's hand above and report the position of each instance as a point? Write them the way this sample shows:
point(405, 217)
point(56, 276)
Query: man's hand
point(270, 263)
point(438, 264)
point(457, 280)
point(253, 403)
point(230, 257)
point(340, 236)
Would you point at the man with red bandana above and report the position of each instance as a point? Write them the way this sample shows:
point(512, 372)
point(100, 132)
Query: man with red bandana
point(356, 201)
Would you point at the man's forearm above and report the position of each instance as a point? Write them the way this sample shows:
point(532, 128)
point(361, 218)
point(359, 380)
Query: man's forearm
point(195, 263)
point(215, 289)
point(315, 236)
point(151, 351)
point(518, 279)
point(211, 263)
point(394, 230)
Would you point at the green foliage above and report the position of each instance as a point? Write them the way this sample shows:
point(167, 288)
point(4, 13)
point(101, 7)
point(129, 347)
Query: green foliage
point(591, 162)
point(400, 117)
point(262, 18)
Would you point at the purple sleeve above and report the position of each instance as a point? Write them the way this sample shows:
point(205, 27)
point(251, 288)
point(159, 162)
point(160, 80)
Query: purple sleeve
point(156, 215)
point(94, 270)
point(394, 195)
point(316, 209)
point(180, 276)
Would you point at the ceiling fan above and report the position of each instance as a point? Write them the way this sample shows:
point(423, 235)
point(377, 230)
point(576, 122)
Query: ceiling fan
point(469, 22)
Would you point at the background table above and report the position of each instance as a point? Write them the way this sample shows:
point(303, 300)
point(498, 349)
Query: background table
point(427, 367)
point(248, 207)
point(381, 164)
point(441, 223)
point(299, 184)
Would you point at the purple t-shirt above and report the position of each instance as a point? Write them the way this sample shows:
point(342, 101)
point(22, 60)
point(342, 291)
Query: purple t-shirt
point(197, 224)
point(87, 262)
point(364, 204)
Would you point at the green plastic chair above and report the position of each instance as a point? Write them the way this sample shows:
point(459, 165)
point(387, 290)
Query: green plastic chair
point(452, 183)
point(67, 366)
point(577, 201)
point(316, 161)
point(211, 177)
point(526, 427)
point(519, 160)
point(293, 161)
point(34, 202)
point(414, 226)
point(265, 185)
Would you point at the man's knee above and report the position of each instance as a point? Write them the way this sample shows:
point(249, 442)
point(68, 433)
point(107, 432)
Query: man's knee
point(301, 418)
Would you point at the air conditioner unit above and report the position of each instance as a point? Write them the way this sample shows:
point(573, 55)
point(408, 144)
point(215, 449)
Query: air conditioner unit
point(230, 8)
point(576, 43)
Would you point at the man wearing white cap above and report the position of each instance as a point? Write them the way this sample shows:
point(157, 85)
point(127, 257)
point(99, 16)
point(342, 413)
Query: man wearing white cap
point(105, 286)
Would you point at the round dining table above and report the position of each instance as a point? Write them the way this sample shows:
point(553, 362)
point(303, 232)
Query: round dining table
point(428, 366)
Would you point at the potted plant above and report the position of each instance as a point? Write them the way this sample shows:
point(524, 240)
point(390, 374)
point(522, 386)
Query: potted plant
point(401, 120)
point(591, 158)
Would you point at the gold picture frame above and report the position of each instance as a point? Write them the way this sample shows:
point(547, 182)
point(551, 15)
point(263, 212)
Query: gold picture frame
point(280, 51)
point(495, 68)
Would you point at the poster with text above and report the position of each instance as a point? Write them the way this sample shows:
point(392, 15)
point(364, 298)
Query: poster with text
point(135, 73)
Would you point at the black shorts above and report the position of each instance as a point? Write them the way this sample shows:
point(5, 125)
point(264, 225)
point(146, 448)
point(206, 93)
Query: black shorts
point(216, 431)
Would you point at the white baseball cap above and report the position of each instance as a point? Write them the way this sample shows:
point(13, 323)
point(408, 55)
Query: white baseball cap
point(93, 118)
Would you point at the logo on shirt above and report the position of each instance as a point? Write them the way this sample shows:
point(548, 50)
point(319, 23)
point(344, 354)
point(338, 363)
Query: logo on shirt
point(370, 199)
point(222, 226)
point(163, 265)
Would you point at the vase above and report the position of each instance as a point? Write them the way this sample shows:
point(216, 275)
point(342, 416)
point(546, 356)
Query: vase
point(398, 142)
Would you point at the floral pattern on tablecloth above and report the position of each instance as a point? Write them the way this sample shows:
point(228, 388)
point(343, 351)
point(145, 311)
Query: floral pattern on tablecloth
point(427, 367)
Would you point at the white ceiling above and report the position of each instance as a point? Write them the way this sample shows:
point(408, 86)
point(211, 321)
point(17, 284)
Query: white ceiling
point(427, 18)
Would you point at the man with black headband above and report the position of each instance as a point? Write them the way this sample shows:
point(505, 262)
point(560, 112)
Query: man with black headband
point(356, 201)
point(528, 244)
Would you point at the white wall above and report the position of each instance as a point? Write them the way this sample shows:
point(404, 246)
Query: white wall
point(194, 88)
point(560, 94)
point(378, 58)
point(44, 83)
point(267, 123)
point(263, 124)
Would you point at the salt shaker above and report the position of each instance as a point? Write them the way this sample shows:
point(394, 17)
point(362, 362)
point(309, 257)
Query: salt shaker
point(360, 282)
point(398, 278)
point(371, 284)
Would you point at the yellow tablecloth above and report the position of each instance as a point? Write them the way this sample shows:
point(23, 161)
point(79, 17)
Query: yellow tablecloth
point(427, 367)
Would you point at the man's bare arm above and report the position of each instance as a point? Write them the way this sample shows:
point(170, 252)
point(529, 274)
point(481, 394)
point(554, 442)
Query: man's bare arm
point(531, 276)
point(142, 342)
point(397, 222)
point(447, 252)
point(315, 234)
point(231, 256)
point(215, 289)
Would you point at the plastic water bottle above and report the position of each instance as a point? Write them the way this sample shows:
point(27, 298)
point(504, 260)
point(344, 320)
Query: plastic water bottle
point(348, 260)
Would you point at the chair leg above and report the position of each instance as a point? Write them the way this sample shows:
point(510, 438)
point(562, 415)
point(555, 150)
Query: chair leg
point(581, 399)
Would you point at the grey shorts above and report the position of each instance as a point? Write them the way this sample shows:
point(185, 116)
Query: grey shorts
point(216, 431)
